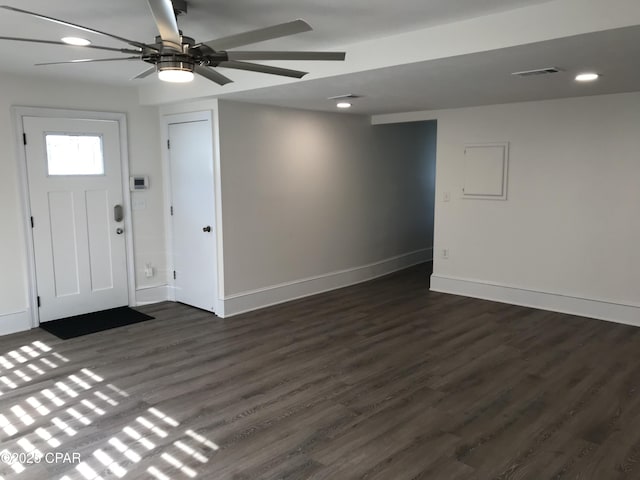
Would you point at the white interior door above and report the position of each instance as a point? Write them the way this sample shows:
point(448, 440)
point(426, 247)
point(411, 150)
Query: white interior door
point(75, 184)
point(193, 213)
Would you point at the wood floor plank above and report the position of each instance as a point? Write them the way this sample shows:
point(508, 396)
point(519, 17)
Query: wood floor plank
point(380, 381)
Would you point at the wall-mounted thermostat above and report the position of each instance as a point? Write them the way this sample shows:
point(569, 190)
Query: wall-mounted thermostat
point(138, 183)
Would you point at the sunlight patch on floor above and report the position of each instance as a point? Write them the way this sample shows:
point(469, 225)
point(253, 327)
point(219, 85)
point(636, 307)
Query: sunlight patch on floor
point(65, 406)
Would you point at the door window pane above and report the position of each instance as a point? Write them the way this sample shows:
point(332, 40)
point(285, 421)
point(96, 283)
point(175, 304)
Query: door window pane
point(74, 154)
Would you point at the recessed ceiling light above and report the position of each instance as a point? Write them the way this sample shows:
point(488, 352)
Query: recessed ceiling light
point(587, 77)
point(343, 105)
point(77, 41)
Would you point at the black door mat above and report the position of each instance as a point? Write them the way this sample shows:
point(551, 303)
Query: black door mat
point(72, 327)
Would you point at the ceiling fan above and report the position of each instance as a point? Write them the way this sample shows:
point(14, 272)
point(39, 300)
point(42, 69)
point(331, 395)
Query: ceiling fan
point(177, 57)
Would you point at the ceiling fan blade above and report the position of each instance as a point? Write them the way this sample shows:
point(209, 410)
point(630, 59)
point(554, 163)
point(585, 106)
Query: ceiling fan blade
point(52, 42)
point(79, 27)
point(338, 56)
point(165, 19)
point(212, 75)
point(254, 67)
point(145, 74)
point(260, 35)
point(89, 60)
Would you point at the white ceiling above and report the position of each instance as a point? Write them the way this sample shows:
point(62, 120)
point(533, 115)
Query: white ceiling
point(335, 23)
point(454, 56)
point(478, 79)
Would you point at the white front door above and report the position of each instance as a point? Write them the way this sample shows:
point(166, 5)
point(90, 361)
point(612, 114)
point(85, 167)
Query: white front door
point(193, 213)
point(75, 190)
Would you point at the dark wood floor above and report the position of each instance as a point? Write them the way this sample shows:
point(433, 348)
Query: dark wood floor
point(384, 380)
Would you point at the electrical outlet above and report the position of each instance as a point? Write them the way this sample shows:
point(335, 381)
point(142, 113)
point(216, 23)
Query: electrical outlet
point(445, 253)
point(148, 271)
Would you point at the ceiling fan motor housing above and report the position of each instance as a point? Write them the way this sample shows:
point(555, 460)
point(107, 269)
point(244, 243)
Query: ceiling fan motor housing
point(175, 62)
point(192, 54)
point(187, 43)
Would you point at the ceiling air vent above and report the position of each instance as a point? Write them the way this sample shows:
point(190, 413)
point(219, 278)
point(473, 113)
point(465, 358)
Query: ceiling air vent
point(538, 71)
point(346, 96)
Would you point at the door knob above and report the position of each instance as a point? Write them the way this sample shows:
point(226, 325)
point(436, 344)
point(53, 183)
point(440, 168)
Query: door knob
point(119, 231)
point(207, 229)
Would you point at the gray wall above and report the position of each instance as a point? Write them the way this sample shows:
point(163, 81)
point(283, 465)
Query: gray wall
point(307, 193)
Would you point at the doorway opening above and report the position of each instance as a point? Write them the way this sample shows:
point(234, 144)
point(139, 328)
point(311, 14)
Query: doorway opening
point(414, 145)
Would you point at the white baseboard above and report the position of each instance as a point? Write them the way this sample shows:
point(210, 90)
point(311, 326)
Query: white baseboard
point(15, 322)
point(149, 295)
point(264, 297)
point(584, 307)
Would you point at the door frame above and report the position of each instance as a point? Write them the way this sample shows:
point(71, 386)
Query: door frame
point(199, 116)
point(18, 113)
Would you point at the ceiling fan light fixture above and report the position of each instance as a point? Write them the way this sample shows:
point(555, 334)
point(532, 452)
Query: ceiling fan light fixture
point(176, 76)
point(176, 72)
point(343, 105)
point(77, 41)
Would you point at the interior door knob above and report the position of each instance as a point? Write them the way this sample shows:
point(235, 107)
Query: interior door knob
point(207, 229)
